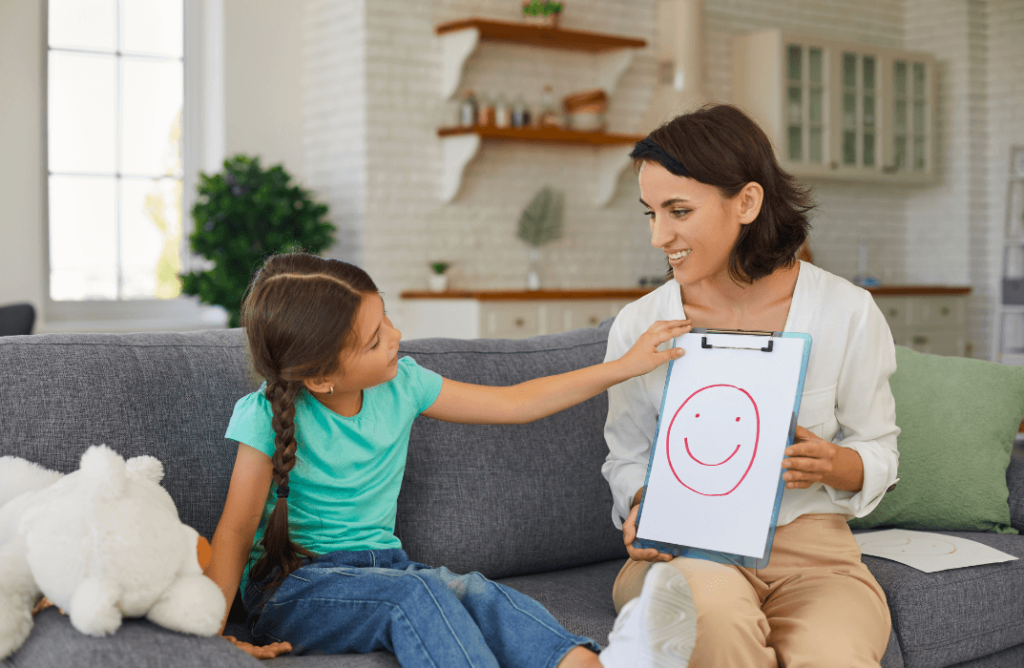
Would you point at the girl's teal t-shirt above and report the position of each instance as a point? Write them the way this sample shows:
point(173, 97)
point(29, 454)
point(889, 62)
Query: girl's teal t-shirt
point(343, 490)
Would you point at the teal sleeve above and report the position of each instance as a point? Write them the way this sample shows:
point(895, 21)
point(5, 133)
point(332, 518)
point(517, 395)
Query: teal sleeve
point(251, 423)
point(424, 384)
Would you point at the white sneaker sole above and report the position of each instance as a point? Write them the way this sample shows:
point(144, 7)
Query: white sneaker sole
point(658, 629)
point(671, 616)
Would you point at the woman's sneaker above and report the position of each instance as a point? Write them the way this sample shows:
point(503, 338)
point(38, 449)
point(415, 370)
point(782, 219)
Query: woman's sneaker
point(659, 628)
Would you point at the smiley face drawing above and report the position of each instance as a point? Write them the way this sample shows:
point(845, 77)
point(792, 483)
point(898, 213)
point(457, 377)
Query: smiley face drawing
point(918, 546)
point(712, 439)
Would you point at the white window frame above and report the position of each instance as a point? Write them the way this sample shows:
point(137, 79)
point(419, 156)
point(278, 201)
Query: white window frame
point(203, 150)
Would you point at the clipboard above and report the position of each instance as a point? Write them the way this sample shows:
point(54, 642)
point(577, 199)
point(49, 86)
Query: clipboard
point(757, 343)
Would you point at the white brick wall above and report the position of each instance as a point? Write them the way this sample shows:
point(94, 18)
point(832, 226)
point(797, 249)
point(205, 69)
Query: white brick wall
point(372, 111)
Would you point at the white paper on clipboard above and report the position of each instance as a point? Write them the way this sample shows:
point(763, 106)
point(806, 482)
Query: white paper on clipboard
point(725, 423)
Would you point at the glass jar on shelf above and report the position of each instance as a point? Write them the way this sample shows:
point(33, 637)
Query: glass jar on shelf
point(467, 110)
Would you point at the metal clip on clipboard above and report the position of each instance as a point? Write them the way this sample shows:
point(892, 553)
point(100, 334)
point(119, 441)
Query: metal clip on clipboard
point(749, 332)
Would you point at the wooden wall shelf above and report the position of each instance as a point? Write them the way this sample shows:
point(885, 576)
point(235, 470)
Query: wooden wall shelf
point(460, 38)
point(460, 145)
point(537, 35)
point(545, 135)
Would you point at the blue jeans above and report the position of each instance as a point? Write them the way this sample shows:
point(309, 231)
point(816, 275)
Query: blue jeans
point(377, 599)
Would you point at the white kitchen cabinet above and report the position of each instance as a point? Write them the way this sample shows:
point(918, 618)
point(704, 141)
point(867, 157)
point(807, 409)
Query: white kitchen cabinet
point(839, 111)
point(935, 323)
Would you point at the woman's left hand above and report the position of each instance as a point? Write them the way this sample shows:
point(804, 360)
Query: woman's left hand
point(810, 459)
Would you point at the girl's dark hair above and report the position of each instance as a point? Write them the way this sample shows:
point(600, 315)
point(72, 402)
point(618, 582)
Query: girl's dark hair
point(723, 147)
point(298, 314)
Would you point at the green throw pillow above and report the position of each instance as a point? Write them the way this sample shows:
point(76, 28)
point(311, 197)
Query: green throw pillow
point(958, 418)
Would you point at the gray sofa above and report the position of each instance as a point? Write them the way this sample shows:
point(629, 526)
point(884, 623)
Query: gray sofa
point(523, 504)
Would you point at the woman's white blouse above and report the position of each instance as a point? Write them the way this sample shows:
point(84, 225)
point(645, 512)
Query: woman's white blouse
point(846, 396)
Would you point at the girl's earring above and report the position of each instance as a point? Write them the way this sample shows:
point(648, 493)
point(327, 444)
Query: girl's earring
point(330, 391)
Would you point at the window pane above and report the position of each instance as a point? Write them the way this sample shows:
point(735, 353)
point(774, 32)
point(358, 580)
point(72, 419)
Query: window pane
point(849, 148)
point(900, 77)
point(83, 238)
point(869, 111)
point(849, 110)
point(869, 150)
point(918, 79)
point(83, 24)
point(869, 73)
point(900, 153)
point(795, 112)
point(150, 238)
point(918, 116)
point(849, 70)
point(815, 58)
point(796, 150)
point(816, 110)
point(794, 54)
point(900, 116)
point(152, 93)
point(82, 113)
point(816, 143)
point(918, 154)
point(152, 27)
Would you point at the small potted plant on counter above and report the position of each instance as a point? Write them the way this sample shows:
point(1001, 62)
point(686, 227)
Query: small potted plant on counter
point(540, 11)
point(438, 280)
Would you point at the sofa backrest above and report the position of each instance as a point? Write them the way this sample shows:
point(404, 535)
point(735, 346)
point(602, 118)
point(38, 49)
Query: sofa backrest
point(499, 499)
point(510, 499)
point(168, 395)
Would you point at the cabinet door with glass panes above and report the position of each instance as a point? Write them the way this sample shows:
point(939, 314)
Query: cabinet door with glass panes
point(839, 111)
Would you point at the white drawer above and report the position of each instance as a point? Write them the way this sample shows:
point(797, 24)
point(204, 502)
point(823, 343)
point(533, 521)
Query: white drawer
point(510, 320)
point(934, 343)
point(563, 316)
point(939, 313)
point(896, 310)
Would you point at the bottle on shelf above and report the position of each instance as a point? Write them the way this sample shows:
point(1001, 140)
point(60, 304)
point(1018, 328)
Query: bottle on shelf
point(520, 113)
point(548, 116)
point(467, 110)
point(485, 112)
point(502, 112)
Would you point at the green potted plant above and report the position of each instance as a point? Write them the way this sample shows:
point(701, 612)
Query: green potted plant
point(242, 215)
point(438, 280)
point(539, 224)
point(542, 11)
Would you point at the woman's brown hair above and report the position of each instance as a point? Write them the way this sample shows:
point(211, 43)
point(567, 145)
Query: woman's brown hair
point(721, 146)
point(299, 313)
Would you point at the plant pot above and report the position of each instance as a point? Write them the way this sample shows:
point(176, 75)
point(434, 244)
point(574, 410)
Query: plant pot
point(437, 282)
point(534, 269)
point(547, 20)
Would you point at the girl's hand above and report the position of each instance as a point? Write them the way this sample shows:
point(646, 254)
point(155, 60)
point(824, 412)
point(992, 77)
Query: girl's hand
point(629, 535)
point(270, 651)
point(644, 356)
point(810, 460)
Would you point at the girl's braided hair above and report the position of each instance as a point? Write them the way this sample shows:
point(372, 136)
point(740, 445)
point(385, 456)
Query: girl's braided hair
point(299, 314)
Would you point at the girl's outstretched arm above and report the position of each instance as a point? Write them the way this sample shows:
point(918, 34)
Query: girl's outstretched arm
point(247, 494)
point(534, 399)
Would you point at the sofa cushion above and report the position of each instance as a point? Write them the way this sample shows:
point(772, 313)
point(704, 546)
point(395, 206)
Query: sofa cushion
point(509, 499)
point(958, 418)
point(54, 643)
point(168, 395)
point(945, 618)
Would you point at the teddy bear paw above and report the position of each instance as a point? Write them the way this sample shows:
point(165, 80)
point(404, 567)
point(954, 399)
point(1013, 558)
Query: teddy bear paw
point(192, 604)
point(93, 608)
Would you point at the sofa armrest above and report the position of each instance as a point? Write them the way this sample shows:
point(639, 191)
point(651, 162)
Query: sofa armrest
point(54, 643)
point(1015, 484)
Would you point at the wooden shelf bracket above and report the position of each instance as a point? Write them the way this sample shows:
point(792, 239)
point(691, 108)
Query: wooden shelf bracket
point(611, 161)
point(611, 65)
point(456, 47)
point(456, 152)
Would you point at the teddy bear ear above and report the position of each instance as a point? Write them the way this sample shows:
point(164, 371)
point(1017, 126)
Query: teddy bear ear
point(147, 467)
point(105, 468)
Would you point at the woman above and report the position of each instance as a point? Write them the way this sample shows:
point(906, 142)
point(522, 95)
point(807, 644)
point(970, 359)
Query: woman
point(730, 222)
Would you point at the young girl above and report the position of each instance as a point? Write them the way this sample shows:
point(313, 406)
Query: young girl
point(308, 524)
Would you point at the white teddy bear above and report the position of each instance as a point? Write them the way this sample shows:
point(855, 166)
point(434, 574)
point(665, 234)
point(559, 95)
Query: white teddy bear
point(101, 543)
